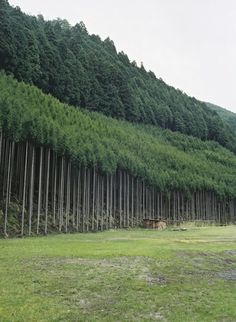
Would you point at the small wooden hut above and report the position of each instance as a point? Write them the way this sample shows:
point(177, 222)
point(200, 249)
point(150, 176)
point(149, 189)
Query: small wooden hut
point(154, 224)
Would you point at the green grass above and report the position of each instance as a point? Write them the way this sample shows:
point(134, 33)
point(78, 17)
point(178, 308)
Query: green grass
point(134, 275)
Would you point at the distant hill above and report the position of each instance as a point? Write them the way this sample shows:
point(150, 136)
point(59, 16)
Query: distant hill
point(226, 115)
point(82, 70)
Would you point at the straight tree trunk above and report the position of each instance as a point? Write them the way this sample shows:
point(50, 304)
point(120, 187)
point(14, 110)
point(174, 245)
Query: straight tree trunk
point(102, 206)
point(98, 203)
point(111, 202)
point(132, 201)
point(55, 190)
point(107, 203)
point(67, 197)
point(78, 202)
point(120, 199)
point(88, 201)
point(47, 192)
point(40, 189)
point(93, 200)
point(24, 189)
point(128, 193)
point(7, 190)
point(84, 201)
point(12, 151)
point(31, 194)
point(74, 197)
point(61, 200)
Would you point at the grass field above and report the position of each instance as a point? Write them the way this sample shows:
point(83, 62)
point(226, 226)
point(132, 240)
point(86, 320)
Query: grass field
point(133, 275)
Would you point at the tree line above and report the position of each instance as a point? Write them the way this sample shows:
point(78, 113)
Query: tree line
point(82, 70)
point(54, 195)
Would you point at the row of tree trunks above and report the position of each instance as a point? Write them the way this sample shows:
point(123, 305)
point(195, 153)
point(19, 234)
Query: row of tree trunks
point(54, 195)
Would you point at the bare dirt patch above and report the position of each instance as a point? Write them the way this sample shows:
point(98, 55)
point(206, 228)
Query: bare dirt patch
point(228, 275)
point(150, 278)
point(231, 252)
point(157, 316)
point(123, 263)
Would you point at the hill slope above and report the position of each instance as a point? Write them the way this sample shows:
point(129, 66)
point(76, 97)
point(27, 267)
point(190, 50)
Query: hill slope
point(82, 70)
point(169, 161)
point(227, 116)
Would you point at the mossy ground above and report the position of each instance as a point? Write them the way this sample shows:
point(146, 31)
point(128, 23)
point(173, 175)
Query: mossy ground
point(135, 275)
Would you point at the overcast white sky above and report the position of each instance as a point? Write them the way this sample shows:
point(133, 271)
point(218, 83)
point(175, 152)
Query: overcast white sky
point(190, 44)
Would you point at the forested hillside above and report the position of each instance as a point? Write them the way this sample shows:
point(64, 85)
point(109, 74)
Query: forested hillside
point(68, 169)
point(84, 71)
point(227, 116)
point(170, 161)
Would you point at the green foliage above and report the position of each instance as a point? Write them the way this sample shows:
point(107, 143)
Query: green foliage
point(227, 116)
point(82, 70)
point(170, 161)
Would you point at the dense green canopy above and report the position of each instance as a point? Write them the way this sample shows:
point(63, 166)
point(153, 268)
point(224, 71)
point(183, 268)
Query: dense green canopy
point(82, 70)
point(168, 160)
point(227, 116)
